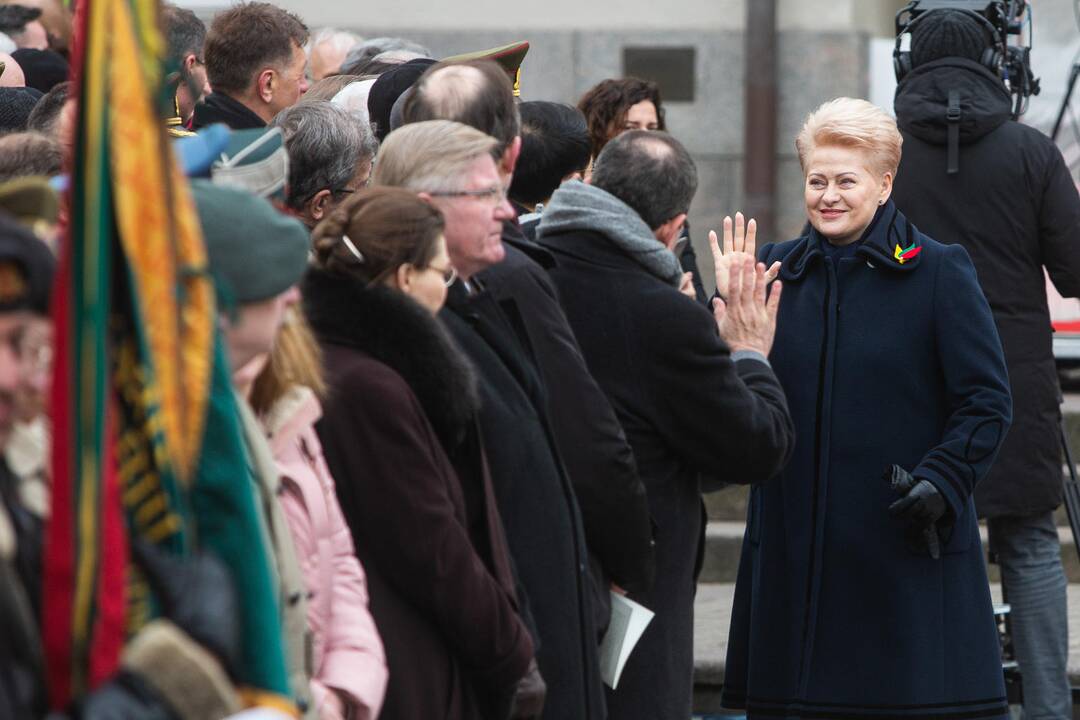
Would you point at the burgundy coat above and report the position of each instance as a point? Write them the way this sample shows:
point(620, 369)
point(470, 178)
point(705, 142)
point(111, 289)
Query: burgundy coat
point(439, 576)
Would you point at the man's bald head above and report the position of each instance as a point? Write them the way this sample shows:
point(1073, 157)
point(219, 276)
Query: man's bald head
point(476, 93)
point(13, 74)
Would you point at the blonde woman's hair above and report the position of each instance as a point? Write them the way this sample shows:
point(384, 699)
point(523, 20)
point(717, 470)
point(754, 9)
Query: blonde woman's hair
point(295, 360)
point(430, 156)
point(853, 123)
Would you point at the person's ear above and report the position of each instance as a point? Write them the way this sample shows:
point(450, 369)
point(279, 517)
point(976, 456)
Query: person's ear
point(510, 156)
point(264, 84)
point(425, 196)
point(886, 188)
point(189, 62)
point(668, 233)
point(403, 277)
point(318, 205)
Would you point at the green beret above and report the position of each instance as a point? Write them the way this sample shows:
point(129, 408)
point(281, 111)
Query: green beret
point(255, 252)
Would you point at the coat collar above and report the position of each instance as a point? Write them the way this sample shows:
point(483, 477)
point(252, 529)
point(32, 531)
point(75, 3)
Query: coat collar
point(294, 412)
point(395, 330)
point(220, 108)
point(890, 242)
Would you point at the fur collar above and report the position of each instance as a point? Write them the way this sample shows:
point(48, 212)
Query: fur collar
point(397, 331)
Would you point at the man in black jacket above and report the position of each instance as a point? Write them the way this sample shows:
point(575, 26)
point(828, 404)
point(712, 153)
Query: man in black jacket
point(1005, 194)
point(695, 393)
point(590, 441)
point(452, 166)
point(256, 62)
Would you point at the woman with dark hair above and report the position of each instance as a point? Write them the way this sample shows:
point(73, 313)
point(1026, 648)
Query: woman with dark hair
point(617, 105)
point(614, 106)
point(401, 407)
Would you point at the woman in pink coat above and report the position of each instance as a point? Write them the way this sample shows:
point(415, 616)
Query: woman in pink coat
point(348, 663)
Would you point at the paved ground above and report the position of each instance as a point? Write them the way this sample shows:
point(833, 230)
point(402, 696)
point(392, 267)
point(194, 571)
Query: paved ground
point(713, 616)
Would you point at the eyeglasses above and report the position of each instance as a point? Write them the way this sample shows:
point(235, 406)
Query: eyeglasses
point(449, 273)
point(496, 194)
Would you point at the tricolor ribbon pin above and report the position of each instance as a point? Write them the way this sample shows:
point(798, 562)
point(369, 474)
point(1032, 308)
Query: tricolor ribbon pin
point(902, 255)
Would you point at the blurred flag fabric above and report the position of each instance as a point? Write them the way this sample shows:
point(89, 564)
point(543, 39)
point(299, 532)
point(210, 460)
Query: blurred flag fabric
point(147, 443)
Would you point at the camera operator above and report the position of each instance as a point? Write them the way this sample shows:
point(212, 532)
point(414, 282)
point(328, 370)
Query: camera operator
point(1002, 190)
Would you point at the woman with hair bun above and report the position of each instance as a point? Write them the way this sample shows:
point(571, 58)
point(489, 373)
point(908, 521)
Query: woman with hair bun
point(401, 410)
point(862, 590)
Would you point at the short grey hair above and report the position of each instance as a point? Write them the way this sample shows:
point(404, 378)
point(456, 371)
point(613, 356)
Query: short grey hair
point(340, 40)
point(399, 57)
point(325, 144)
point(365, 51)
point(430, 156)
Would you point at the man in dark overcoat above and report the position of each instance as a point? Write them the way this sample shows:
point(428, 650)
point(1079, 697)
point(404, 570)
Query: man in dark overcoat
point(452, 166)
point(590, 441)
point(1010, 202)
point(693, 400)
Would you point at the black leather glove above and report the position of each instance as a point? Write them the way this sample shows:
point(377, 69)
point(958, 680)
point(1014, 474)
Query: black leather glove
point(197, 595)
point(921, 507)
point(529, 695)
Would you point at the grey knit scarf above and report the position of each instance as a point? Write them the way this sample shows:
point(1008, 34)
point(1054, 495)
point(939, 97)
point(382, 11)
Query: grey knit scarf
point(577, 206)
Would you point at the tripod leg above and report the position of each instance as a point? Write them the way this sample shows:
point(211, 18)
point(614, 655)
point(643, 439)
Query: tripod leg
point(1065, 101)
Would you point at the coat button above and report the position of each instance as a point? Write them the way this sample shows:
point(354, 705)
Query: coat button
point(295, 597)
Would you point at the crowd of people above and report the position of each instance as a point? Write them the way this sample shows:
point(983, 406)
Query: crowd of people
point(482, 388)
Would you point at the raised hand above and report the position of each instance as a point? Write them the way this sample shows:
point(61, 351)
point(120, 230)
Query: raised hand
point(740, 242)
point(747, 318)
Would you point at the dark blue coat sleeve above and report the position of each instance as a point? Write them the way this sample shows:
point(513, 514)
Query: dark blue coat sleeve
point(976, 382)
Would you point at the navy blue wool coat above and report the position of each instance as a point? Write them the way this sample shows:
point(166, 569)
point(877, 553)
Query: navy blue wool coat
point(835, 615)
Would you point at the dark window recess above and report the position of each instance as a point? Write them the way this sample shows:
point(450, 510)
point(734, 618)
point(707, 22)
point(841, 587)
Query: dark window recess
point(672, 68)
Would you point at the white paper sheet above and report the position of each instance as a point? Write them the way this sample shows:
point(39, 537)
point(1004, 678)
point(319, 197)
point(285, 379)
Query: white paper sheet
point(628, 621)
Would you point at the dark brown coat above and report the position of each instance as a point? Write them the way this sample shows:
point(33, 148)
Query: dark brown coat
point(441, 586)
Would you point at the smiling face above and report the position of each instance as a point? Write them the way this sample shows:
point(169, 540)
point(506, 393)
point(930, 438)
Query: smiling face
point(842, 192)
point(474, 223)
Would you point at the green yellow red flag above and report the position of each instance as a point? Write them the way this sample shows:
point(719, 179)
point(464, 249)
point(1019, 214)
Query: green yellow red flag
point(146, 442)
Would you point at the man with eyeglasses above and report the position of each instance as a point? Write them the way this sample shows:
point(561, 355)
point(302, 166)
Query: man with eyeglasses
point(330, 155)
point(452, 166)
point(592, 448)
